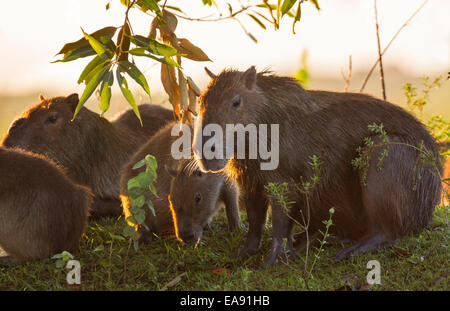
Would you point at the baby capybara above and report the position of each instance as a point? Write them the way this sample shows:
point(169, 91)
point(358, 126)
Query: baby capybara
point(42, 212)
point(194, 196)
point(373, 209)
point(90, 148)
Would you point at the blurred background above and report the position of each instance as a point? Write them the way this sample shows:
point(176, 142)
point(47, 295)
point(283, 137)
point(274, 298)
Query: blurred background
point(32, 32)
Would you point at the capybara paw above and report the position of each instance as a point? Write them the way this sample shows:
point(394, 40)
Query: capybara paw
point(279, 255)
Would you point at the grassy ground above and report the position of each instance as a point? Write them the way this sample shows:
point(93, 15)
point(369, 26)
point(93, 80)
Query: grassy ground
point(419, 262)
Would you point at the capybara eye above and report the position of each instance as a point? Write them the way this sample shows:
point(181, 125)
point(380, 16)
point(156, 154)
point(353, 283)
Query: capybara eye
point(236, 102)
point(51, 119)
point(198, 197)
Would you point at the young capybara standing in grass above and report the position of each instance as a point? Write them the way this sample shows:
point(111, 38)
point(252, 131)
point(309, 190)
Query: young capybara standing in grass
point(372, 209)
point(194, 196)
point(42, 212)
point(91, 149)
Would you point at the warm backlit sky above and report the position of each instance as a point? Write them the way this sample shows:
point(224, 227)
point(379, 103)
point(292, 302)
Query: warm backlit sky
point(31, 32)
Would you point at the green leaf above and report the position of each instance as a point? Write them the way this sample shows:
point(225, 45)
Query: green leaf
point(90, 67)
point(133, 183)
point(144, 52)
point(287, 5)
point(105, 91)
point(138, 202)
point(151, 207)
point(153, 190)
point(140, 217)
point(91, 86)
point(154, 46)
point(136, 74)
point(96, 45)
point(80, 52)
point(145, 179)
point(136, 192)
point(104, 32)
point(257, 21)
point(127, 93)
point(151, 162)
point(129, 231)
point(149, 5)
point(139, 164)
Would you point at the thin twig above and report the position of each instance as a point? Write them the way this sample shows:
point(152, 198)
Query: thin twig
point(349, 75)
point(380, 56)
point(390, 42)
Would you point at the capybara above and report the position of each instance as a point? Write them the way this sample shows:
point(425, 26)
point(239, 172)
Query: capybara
point(42, 212)
point(90, 148)
point(194, 196)
point(372, 209)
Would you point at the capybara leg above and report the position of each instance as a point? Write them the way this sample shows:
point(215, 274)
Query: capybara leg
point(300, 241)
point(7, 260)
point(256, 206)
point(364, 245)
point(230, 198)
point(282, 247)
point(105, 207)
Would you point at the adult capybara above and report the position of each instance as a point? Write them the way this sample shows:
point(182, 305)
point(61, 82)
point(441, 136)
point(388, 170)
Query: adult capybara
point(373, 209)
point(42, 212)
point(194, 196)
point(90, 148)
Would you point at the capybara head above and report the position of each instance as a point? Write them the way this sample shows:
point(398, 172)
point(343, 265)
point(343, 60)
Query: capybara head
point(193, 197)
point(47, 128)
point(232, 98)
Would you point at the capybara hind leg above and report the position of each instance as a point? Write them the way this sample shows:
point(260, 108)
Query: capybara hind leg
point(230, 198)
point(282, 247)
point(256, 206)
point(105, 207)
point(364, 245)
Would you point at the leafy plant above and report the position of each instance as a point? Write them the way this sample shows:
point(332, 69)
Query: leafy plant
point(137, 186)
point(114, 55)
point(414, 101)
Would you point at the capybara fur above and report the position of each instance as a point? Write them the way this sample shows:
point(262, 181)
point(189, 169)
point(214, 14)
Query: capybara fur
point(372, 210)
point(90, 148)
point(194, 196)
point(42, 212)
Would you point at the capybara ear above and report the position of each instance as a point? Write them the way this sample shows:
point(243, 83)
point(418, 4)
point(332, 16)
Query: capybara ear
point(172, 172)
point(250, 77)
point(72, 99)
point(210, 74)
point(41, 97)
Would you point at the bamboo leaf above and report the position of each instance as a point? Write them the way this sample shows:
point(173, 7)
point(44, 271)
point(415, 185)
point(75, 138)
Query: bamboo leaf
point(287, 5)
point(89, 68)
point(154, 46)
point(136, 74)
point(189, 50)
point(104, 32)
point(105, 91)
point(261, 24)
point(123, 84)
point(91, 86)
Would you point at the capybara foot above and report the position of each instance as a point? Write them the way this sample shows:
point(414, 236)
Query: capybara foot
point(364, 245)
point(278, 254)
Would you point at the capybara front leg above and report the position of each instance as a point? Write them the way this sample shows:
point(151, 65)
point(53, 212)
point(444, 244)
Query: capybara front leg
point(282, 247)
point(256, 206)
point(230, 198)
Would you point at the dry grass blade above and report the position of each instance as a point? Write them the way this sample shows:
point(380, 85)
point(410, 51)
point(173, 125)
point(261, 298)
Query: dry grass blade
point(174, 282)
point(169, 81)
point(189, 50)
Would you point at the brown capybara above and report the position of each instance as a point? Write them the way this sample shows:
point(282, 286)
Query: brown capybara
point(194, 196)
point(372, 210)
point(91, 149)
point(42, 212)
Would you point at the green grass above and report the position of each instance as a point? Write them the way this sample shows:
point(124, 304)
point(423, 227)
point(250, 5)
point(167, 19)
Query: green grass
point(419, 262)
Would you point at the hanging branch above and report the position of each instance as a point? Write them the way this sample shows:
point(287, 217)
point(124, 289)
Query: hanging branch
point(390, 42)
point(380, 56)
